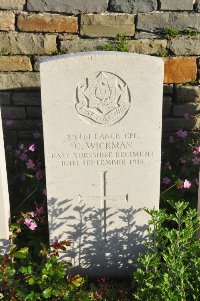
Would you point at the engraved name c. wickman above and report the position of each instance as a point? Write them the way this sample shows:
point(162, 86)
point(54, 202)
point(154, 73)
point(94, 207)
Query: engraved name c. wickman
point(102, 98)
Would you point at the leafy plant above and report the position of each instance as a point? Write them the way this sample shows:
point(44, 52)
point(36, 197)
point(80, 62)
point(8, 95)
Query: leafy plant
point(4, 52)
point(26, 276)
point(192, 83)
point(191, 31)
point(170, 270)
point(171, 32)
point(162, 53)
point(120, 44)
point(58, 52)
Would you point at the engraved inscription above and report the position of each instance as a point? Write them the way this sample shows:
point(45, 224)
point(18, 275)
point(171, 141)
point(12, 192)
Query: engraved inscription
point(103, 150)
point(102, 98)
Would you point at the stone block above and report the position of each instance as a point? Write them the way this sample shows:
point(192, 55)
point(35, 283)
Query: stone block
point(146, 35)
point(12, 4)
point(81, 45)
point(34, 112)
point(189, 108)
point(5, 98)
point(168, 89)
point(176, 4)
point(13, 112)
point(175, 124)
point(147, 46)
point(107, 25)
point(15, 80)
point(167, 105)
point(180, 70)
point(185, 45)
point(47, 23)
point(157, 22)
point(28, 43)
point(68, 6)
point(26, 98)
point(187, 94)
point(133, 6)
point(15, 63)
point(7, 20)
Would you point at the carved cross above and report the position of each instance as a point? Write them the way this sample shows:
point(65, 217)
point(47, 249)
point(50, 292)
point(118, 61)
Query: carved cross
point(104, 199)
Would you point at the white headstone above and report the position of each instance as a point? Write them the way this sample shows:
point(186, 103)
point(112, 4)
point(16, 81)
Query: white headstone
point(4, 197)
point(102, 116)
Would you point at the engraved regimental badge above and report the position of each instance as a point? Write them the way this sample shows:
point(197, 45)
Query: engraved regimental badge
point(102, 98)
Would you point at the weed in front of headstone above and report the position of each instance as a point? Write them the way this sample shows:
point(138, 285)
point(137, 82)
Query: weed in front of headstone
point(170, 269)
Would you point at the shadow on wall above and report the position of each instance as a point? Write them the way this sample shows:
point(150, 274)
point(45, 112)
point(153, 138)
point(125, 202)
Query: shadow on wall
point(96, 249)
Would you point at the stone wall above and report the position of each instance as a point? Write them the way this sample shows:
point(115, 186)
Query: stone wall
point(33, 29)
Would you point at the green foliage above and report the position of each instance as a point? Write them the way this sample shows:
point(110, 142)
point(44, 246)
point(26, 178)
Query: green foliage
point(171, 32)
point(4, 52)
point(24, 276)
point(120, 44)
point(162, 53)
point(58, 52)
point(192, 83)
point(170, 270)
point(191, 31)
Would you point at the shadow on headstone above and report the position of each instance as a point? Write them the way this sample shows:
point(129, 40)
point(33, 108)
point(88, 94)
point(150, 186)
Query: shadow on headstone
point(92, 250)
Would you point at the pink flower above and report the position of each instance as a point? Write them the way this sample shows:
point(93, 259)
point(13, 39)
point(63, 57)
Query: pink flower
point(39, 210)
point(32, 148)
point(171, 139)
point(30, 224)
point(166, 180)
point(187, 184)
point(33, 226)
point(30, 164)
point(9, 122)
point(196, 161)
point(181, 134)
point(197, 150)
